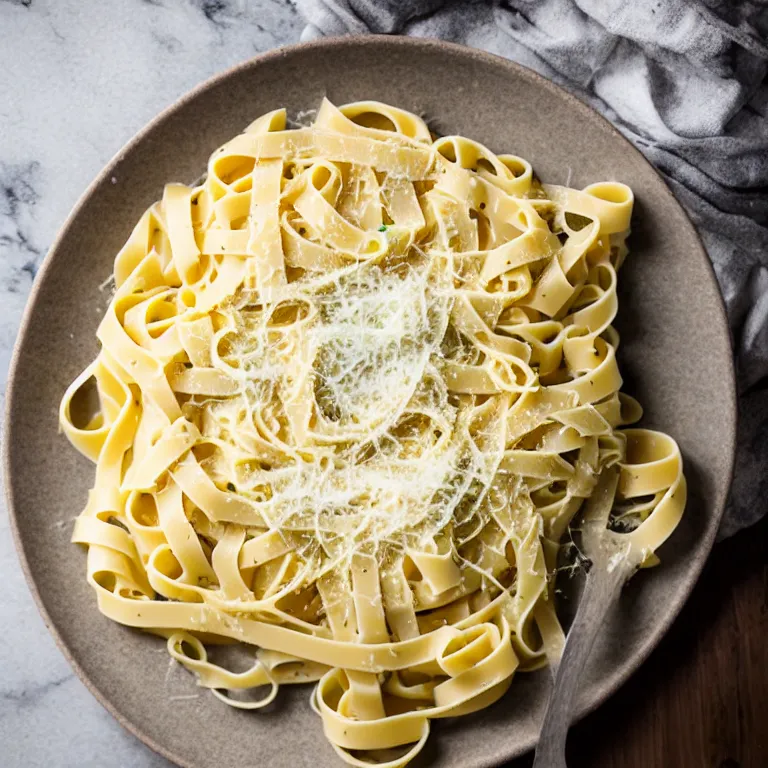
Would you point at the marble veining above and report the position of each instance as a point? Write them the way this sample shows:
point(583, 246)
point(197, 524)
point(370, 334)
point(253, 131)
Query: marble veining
point(77, 79)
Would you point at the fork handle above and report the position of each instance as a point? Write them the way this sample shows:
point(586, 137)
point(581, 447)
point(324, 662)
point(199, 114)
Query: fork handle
point(600, 591)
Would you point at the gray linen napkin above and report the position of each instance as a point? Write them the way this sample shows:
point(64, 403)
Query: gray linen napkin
point(684, 80)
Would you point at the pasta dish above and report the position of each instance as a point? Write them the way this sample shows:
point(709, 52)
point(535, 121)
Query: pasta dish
point(353, 389)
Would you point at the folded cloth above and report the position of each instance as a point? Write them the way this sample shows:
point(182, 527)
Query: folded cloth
point(684, 80)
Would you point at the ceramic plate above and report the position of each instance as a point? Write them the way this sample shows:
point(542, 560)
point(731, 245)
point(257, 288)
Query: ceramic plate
point(675, 355)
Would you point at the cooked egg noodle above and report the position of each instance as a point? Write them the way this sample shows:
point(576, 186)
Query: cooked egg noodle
point(353, 389)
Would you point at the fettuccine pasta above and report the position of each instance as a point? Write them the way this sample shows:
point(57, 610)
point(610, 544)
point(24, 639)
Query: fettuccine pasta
point(352, 390)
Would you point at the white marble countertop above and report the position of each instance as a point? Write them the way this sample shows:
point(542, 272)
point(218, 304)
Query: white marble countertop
point(77, 79)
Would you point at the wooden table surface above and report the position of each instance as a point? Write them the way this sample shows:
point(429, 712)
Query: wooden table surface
point(701, 699)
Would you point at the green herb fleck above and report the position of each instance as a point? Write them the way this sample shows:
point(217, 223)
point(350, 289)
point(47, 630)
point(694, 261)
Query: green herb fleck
point(383, 228)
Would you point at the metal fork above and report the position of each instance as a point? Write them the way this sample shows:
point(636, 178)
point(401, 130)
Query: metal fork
point(603, 585)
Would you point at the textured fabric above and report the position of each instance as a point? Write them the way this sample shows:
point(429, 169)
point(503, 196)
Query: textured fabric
point(684, 80)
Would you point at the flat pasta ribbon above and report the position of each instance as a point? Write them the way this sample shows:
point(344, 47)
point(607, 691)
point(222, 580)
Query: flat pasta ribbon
point(352, 390)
